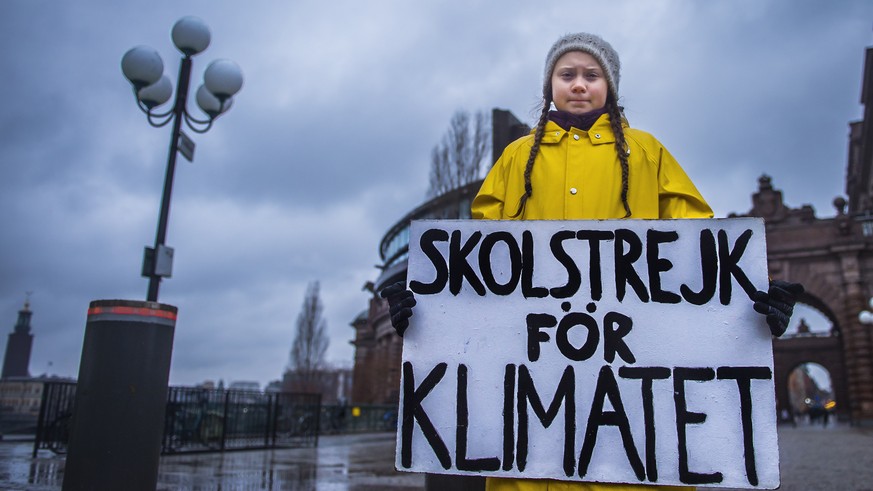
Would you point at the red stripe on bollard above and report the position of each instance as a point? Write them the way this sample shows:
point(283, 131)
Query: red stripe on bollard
point(134, 311)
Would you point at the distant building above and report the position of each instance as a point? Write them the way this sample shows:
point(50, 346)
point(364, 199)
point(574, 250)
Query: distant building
point(273, 386)
point(244, 385)
point(20, 399)
point(334, 384)
point(17, 359)
point(377, 347)
point(21, 394)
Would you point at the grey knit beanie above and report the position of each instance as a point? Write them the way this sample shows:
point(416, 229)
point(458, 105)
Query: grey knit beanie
point(594, 46)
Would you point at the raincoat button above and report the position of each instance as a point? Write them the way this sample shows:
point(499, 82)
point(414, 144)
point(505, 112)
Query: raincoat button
point(597, 135)
point(575, 137)
point(572, 190)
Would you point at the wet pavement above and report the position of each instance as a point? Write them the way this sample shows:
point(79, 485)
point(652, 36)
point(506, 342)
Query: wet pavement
point(345, 462)
point(359, 462)
point(813, 458)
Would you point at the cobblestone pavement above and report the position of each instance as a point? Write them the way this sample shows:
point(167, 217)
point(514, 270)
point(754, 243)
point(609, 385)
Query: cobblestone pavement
point(812, 458)
point(815, 458)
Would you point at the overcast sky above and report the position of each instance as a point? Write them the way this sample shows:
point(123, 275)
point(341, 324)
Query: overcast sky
point(328, 143)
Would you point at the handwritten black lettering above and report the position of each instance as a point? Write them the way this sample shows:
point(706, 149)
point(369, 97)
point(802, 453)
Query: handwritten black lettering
point(594, 275)
point(708, 270)
point(412, 411)
point(625, 274)
point(728, 267)
point(658, 265)
point(565, 395)
point(685, 417)
point(462, 413)
point(647, 375)
point(439, 263)
point(487, 270)
point(608, 387)
point(743, 376)
point(459, 268)
point(574, 278)
point(527, 268)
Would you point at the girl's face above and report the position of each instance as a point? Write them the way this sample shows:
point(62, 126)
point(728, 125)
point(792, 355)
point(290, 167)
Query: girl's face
point(578, 83)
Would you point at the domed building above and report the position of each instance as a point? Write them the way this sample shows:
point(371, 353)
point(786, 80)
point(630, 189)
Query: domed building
point(377, 347)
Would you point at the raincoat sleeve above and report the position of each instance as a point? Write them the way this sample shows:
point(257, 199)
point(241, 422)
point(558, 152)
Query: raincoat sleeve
point(489, 202)
point(677, 195)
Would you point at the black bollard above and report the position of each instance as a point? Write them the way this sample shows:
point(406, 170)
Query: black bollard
point(121, 396)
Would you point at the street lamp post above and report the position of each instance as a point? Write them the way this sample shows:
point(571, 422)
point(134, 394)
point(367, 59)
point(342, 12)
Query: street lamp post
point(144, 68)
point(121, 395)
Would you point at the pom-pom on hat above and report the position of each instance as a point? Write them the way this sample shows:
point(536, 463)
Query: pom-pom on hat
point(588, 43)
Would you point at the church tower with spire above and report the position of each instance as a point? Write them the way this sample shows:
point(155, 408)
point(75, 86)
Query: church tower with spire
point(17, 359)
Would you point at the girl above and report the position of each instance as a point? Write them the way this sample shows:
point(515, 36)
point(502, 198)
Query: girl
point(583, 162)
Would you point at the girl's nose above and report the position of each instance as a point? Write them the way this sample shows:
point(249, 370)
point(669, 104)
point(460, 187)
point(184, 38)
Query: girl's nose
point(578, 85)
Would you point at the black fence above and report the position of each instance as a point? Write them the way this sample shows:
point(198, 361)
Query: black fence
point(206, 420)
point(335, 419)
point(201, 420)
point(55, 411)
point(214, 420)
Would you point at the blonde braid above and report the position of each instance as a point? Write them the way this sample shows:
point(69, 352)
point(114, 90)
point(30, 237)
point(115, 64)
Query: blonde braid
point(534, 149)
point(621, 148)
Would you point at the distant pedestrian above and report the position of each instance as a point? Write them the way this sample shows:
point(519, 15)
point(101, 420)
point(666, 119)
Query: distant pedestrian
point(788, 417)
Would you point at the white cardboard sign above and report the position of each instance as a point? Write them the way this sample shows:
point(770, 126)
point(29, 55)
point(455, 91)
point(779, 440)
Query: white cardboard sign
point(610, 351)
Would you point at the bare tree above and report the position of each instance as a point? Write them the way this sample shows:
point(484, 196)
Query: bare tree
point(310, 342)
point(457, 159)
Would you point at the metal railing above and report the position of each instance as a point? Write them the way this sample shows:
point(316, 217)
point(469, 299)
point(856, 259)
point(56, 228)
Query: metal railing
point(336, 419)
point(215, 420)
point(201, 420)
point(207, 420)
point(55, 411)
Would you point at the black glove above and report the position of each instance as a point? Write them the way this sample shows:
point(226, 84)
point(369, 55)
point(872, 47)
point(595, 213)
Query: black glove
point(400, 303)
point(778, 304)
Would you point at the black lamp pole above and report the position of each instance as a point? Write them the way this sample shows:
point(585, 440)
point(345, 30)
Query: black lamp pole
point(115, 431)
point(178, 114)
point(143, 67)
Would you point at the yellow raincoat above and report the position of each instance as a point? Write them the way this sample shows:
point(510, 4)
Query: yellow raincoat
point(577, 176)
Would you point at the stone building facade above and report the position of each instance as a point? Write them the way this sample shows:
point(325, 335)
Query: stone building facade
point(833, 259)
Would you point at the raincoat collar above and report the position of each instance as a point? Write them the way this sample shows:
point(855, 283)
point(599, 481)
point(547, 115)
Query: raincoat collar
point(600, 132)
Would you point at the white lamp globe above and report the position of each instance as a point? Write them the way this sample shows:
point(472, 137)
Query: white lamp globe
point(142, 66)
point(157, 93)
point(210, 104)
point(191, 35)
point(223, 78)
point(866, 317)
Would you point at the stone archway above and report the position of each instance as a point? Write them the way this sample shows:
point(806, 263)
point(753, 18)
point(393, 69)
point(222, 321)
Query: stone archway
point(812, 339)
point(811, 396)
point(825, 351)
point(833, 259)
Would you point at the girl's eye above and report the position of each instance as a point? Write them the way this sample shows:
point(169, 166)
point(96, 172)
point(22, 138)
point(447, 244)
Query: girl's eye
point(592, 75)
